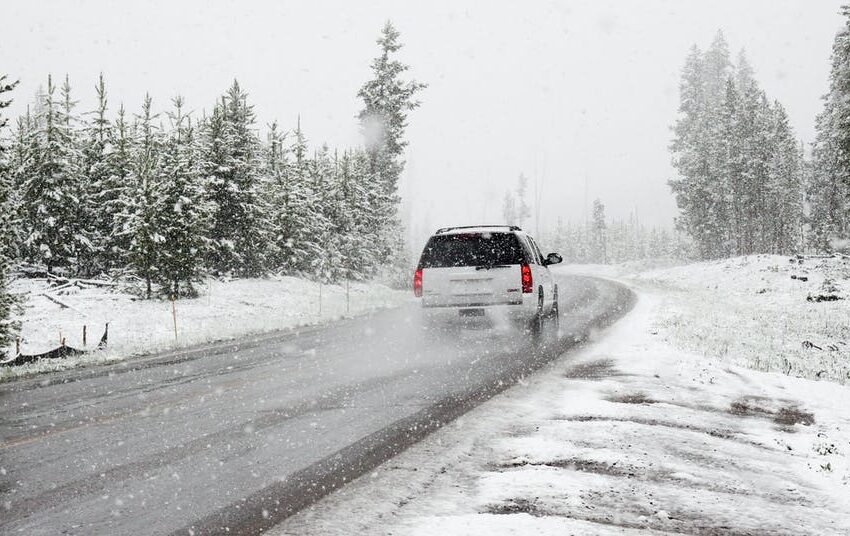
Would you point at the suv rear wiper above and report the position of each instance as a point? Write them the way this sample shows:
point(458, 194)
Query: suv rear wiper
point(491, 266)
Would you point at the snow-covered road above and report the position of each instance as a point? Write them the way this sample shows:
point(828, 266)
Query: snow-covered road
point(628, 436)
point(234, 437)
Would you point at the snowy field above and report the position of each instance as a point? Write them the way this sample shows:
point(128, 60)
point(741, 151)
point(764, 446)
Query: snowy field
point(225, 309)
point(763, 312)
point(636, 434)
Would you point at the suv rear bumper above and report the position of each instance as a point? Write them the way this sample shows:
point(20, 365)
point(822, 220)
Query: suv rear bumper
point(495, 313)
point(470, 304)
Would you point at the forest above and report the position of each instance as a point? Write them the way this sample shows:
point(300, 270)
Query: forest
point(168, 199)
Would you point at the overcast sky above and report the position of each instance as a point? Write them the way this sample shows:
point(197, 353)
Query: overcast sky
point(572, 92)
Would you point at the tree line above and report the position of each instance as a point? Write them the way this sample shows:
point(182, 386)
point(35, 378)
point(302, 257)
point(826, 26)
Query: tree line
point(172, 197)
point(602, 241)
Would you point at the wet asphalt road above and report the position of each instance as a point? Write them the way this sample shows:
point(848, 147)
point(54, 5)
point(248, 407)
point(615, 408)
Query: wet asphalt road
point(234, 437)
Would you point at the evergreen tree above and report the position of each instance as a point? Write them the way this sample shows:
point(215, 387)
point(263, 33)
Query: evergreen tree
point(141, 225)
point(374, 208)
point(688, 187)
point(523, 211)
point(116, 193)
point(600, 242)
point(350, 217)
point(23, 166)
point(276, 188)
point(387, 99)
point(231, 164)
point(102, 192)
point(730, 212)
point(52, 192)
point(828, 191)
point(8, 327)
point(182, 214)
point(302, 223)
point(324, 181)
point(785, 191)
point(81, 214)
point(515, 208)
point(509, 209)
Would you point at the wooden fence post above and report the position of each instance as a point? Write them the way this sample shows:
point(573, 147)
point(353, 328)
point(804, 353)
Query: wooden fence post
point(174, 316)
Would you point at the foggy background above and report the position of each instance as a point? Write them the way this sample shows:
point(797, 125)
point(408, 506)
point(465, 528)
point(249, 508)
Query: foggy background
point(577, 95)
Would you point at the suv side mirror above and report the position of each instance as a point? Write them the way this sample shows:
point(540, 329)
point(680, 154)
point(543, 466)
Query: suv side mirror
point(552, 258)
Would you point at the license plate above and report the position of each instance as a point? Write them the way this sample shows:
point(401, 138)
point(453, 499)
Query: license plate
point(472, 312)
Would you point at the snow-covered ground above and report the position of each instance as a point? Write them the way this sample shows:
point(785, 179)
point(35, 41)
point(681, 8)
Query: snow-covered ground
point(764, 312)
point(224, 310)
point(636, 434)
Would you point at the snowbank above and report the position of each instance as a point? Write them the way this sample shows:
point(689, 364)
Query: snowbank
point(226, 309)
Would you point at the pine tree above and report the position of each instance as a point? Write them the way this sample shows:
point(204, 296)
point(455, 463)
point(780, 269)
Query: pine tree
point(52, 192)
point(277, 192)
point(352, 240)
point(305, 223)
point(523, 211)
point(387, 99)
point(116, 192)
point(231, 166)
point(716, 232)
point(729, 204)
point(509, 209)
point(140, 201)
point(8, 327)
point(81, 239)
point(828, 191)
point(699, 148)
point(102, 192)
point(323, 182)
point(23, 166)
point(182, 213)
point(688, 187)
point(600, 242)
point(374, 208)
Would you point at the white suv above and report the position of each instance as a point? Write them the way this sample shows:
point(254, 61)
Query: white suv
point(487, 271)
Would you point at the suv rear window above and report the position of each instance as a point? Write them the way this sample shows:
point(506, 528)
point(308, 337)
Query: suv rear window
point(472, 249)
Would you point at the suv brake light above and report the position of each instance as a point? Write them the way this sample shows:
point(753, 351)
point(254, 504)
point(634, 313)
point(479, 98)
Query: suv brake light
point(417, 283)
point(525, 278)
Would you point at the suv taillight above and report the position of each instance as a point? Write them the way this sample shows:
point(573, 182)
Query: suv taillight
point(417, 283)
point(525, 277)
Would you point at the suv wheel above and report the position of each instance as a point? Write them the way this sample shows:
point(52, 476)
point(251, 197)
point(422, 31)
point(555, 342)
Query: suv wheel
point(556, 315)
point(538, 323)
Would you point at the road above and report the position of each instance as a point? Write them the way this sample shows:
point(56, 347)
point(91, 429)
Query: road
point(235, 437)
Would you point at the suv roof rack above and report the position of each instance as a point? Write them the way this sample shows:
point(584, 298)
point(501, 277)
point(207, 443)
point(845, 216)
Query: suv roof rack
point(447, 229)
